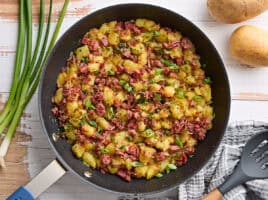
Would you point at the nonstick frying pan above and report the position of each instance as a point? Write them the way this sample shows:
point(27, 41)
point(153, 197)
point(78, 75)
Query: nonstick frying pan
point(65, 159)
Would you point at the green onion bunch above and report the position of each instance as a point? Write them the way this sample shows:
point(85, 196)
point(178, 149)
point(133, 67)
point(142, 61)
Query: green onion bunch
point(28, 66)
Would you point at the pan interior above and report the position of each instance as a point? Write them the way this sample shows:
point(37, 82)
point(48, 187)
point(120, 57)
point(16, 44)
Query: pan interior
point(209, 56)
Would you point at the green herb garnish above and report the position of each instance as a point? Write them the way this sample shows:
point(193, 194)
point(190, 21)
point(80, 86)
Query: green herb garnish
point(122, 147)
point(207, 80)
point(179, 142)
point(159, 175)
point(128, 87)
point(149, 133)
point(104, 151)
point(84, 59)
point(122, 82)
point(110, 113)
point(157, 96)
point(171, 166)
point(110, 73)
point(158, 71)
point(136, 164)
point(180, 94)
point(170, 64)
point(197, 98)
point(88, 104)
point(92, 123)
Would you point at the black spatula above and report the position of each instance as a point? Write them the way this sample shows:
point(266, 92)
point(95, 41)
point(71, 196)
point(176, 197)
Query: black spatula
point(253, 165)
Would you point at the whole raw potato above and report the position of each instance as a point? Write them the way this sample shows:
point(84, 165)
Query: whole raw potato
point(249, 45)
point(234, 11)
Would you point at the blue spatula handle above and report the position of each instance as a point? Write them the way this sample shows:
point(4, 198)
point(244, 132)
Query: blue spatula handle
point(21, 194)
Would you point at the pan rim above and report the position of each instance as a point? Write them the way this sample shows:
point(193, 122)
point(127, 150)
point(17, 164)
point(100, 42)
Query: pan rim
point(166, 188)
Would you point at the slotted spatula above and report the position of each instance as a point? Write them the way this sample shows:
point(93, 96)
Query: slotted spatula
point(253, 165)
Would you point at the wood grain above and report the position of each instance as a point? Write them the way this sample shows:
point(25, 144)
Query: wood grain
point(16, 173)
point(9, 9)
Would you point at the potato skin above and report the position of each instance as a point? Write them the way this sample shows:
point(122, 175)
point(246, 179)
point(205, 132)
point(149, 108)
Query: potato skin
point(249, 45)
point(235, 11)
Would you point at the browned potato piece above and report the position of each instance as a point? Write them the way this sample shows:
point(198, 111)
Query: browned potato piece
point(249, 45)
point(234, 11)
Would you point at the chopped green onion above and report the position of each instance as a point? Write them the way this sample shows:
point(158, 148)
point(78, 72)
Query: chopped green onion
point(180, 94)
point(110, 113)
point(158, 97)
point(197, 98)
point(122, 44)
point(207, 80)
point(122, 82)
point(170, 64)
point(171, 166)
point(122, 147)
point(117, 50)
point(136, 164)
point(99, 130)
point(159, 50)
point(84, 59)
point(159, 175)
point(179, 142)
point(88, 104)
point(92, 123)
point(104, 151)
point(128, 87)
point(111, 73)
point(69, 127)
point(155, 33)
point(158, 71)
point(149, 133)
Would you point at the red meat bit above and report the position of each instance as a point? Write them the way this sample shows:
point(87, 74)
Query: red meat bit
point(179, 61)
point(186, 43)
point(83, 68)
point(106, 159)
point(174, 148)
point(172, 45)
point(85, 40)
point(182, 159)
point(104, 41)
point(156, 63)
point(94, 45)
point(132, 124)
point(100, 109)
point(191, 103)
point(160, 156)
point(119, 26)
point(55, 111)
point(132, 27)
point(134, 151)
point(124, 175)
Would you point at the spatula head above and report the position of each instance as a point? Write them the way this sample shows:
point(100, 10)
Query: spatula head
point(254, 160)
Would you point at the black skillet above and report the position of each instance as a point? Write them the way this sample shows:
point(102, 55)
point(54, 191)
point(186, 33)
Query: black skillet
point(69, 42)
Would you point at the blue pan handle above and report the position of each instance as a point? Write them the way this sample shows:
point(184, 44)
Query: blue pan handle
point(21, 194)
point(53, 172)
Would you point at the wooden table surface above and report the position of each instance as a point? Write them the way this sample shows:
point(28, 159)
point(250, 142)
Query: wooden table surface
point(30, 151)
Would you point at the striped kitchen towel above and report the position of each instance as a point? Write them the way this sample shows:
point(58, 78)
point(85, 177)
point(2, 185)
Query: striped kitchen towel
point(220, 166)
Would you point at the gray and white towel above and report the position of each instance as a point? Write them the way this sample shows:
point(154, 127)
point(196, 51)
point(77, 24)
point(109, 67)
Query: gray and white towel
point(219, 167)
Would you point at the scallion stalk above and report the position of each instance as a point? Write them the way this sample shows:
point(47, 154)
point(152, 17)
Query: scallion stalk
point(32, 69)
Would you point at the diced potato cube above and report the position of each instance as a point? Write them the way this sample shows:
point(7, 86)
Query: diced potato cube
point(162, 145)
point(61, 79)
point(89, 160)
point(138, 48)
point(103, 123)
point(169, 91)
point(71, 106)
point(141, 171)
point(176, 111)
point(125, 35)
point(108, 96)
point(113, 38)
point(142, 59)
point(155, 87)
point(152, 171)
point(131, 66)
point(146, 154)
point(120, 136)
point(138, 86)
point(81, 52)
point(141, 126)
point(58, 96)
point(163, 36)
point(111, 148)
point(89, 146)
point(104, 28)
point(88, 130)
point(94, 67)
point(112, 170)
point(78, 150)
